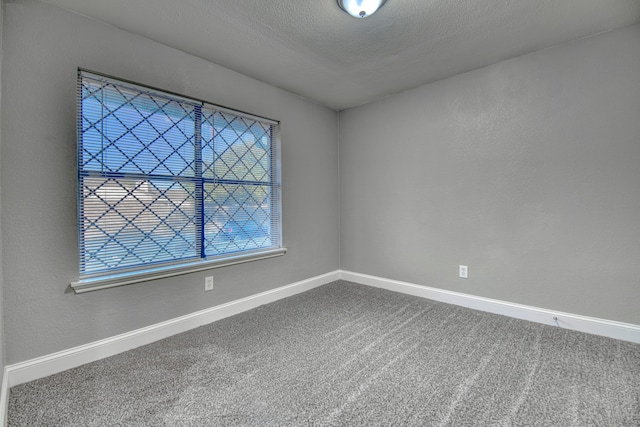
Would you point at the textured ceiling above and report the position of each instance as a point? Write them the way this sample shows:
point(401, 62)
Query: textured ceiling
point(314, 49)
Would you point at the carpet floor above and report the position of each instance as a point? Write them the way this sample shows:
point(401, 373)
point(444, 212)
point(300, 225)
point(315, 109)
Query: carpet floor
point(349, 355)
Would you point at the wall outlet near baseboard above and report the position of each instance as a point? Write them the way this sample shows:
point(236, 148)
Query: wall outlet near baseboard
point(208, 283)
point(463, 271)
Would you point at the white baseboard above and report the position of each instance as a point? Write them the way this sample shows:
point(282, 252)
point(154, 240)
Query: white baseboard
point(41, 367)
point(4, 398)
point(592, 325)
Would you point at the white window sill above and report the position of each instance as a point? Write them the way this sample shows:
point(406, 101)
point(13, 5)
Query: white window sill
point(89, 284)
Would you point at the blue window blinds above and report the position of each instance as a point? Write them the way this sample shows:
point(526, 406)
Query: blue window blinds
point(168, 179)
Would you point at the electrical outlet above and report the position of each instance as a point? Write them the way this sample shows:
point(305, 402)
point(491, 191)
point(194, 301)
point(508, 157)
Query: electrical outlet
point(463, 272)
point(208, 284)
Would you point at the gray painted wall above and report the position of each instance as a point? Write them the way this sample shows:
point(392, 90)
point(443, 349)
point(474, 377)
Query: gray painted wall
point(527, 171)
point(2, 346)
point(43, 46)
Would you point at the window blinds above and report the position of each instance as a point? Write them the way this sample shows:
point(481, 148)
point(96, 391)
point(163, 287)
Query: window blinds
point(164, 178)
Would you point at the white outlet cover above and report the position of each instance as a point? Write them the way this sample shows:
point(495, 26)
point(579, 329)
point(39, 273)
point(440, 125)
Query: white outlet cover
point(463, 271)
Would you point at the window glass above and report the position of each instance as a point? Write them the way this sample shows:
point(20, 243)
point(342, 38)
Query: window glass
point(165, 179)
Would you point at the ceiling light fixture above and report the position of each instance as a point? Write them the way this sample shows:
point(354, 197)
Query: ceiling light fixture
point(360, 8)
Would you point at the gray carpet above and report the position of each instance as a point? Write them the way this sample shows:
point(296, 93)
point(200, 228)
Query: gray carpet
point(347, 354)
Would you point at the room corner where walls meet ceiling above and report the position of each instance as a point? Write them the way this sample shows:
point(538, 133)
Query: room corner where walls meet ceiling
point(317, 51)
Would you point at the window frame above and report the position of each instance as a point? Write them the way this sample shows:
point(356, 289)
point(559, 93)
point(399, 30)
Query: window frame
point(156, 270)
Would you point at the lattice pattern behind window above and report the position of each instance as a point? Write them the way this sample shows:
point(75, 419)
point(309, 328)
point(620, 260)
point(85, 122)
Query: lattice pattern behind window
point(167, 179)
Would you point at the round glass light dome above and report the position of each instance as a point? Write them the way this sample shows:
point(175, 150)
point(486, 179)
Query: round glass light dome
point(360, 8)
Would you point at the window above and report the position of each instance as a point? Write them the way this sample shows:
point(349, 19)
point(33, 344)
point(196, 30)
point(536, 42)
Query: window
point(167, 182)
